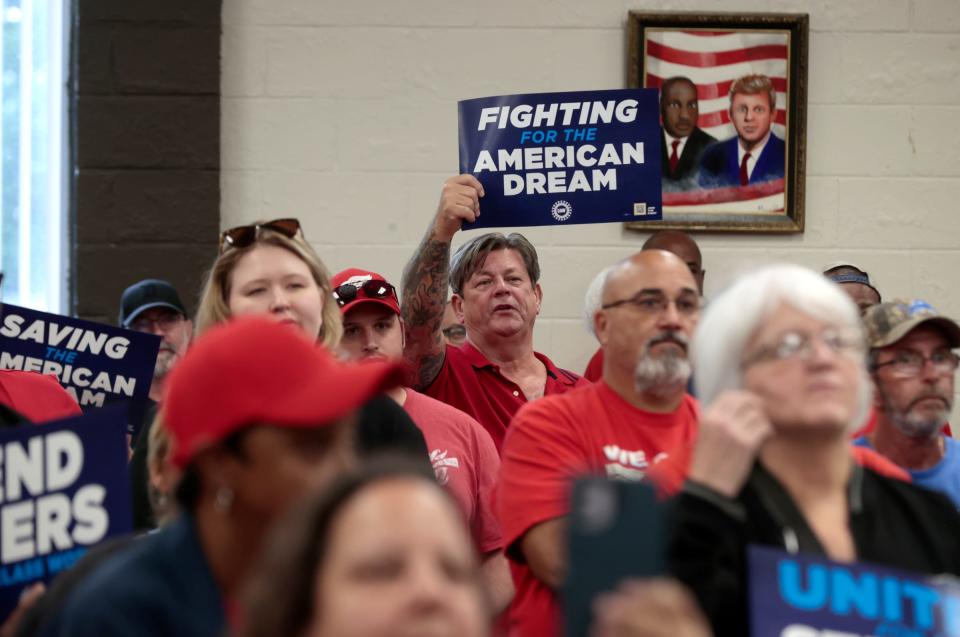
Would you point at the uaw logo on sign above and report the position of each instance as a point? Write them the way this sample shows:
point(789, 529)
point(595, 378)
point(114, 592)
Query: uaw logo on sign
point(561, 210)
point(599, 151)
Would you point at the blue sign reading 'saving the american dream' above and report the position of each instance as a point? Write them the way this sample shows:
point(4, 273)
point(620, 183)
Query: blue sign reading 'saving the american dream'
point(809, 596)
point(95, 363)
point(64, 488)
point(563, 158)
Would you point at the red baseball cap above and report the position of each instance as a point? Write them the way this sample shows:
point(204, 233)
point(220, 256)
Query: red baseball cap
point(368, 287)
point(254, 371)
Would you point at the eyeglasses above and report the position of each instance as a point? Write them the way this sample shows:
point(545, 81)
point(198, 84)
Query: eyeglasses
point(910, 363)
point(455, 332)
point(848, 342)
point(372, 289)
point(165, 322)
point(242, 236)
point(654, 303)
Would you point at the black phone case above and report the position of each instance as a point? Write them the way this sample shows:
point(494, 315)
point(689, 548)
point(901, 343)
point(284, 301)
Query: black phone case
point(616, 532)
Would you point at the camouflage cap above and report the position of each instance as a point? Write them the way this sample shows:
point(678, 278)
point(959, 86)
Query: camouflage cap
point(887, 323)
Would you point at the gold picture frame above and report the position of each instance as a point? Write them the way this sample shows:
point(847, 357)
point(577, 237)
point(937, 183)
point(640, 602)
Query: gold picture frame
point(730, 60)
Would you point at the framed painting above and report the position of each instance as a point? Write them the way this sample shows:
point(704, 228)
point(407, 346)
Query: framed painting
point(733, 114)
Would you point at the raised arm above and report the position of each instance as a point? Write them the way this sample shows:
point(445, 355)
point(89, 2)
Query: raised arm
point(425, 279)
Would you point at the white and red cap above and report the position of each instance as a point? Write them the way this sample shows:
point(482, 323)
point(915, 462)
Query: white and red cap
point(364, 287)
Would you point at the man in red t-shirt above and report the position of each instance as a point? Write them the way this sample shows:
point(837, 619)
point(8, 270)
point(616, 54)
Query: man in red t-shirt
point(620, 427)
point(496, 295)
point(462, 453)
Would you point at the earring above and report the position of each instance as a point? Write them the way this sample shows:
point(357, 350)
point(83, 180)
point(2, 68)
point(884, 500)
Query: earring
point(223, 499)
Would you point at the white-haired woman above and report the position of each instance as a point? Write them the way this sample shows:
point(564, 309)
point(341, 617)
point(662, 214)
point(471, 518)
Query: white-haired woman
point(779, 359)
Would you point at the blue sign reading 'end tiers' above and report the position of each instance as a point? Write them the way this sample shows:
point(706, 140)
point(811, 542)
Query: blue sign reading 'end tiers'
point(563, 158)
point(810, 596)
point(64, 489)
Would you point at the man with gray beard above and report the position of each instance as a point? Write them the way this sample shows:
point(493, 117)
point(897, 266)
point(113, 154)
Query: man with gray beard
point(912, 367)
point(636, 416)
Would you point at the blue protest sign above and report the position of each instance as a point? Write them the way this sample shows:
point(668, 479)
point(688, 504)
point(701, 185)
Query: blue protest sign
point(95, 363)
point(64, 488)
point(563, 158)
point(810, 596)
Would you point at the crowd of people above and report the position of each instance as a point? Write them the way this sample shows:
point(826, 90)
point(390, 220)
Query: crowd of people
point(333, 455)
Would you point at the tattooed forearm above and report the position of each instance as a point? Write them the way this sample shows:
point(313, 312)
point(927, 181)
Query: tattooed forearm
point(425, 281)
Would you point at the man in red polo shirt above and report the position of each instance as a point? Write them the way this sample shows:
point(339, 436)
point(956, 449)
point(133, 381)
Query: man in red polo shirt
point(633, 418)
point(497, 296)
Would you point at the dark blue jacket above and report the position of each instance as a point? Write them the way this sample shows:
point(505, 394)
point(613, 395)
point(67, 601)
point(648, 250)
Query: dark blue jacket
point(160, 587)
point(719, 166)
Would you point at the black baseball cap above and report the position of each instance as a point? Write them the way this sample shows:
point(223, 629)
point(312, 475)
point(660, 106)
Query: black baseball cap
point(147, 294)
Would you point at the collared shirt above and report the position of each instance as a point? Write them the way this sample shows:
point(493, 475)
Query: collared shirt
point(471, 383)
point(754, 153)
point(670, 139)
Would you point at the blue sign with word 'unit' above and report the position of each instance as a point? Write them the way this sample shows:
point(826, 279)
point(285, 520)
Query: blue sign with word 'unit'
point(810, 596)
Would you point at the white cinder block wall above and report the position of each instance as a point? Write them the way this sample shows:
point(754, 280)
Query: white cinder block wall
point(344, 115)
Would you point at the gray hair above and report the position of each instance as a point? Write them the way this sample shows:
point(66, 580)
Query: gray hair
point(471, 256)
point(594, 298)
point(735, 314)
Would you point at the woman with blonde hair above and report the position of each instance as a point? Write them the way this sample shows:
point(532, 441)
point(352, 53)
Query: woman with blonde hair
point(268, 268)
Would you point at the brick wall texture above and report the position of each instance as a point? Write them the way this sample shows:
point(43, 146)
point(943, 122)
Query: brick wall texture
point(344, 114)
point(147, 147)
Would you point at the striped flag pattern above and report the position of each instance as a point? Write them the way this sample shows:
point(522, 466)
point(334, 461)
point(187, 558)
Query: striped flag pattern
point(713, 60)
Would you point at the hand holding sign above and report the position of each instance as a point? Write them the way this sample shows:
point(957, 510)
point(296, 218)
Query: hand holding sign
point(459, 203)
point(732, 429)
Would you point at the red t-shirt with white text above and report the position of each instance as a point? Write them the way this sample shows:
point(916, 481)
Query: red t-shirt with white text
point(464, 460)
point(592, 430)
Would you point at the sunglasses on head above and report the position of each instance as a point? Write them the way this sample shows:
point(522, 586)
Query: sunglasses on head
point(242, 236)
point(372, 289)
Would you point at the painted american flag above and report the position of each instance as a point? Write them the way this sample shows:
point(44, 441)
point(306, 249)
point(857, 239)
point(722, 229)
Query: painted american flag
point(713, 60)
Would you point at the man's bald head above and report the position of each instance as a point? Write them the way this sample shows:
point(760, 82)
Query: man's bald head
point(682, 245)
point(643, 270)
